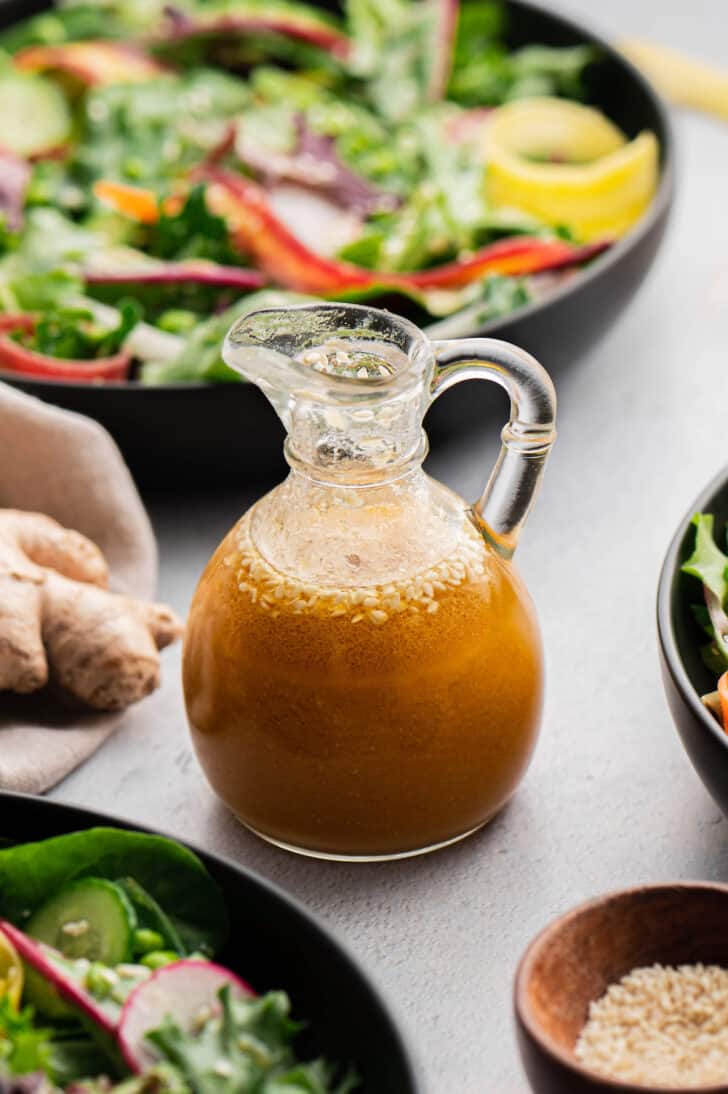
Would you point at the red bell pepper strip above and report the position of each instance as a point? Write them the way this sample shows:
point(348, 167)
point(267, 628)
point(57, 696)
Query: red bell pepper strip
point(258, 232)
point(515, 256)
point(27, 362)
point(303, 26)
point(93, 63)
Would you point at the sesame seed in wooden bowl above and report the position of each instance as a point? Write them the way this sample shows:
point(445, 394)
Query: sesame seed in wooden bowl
point(629, 993)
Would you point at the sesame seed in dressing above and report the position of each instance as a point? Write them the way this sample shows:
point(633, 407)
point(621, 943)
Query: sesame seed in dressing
point(421, 592)
point(364, 678)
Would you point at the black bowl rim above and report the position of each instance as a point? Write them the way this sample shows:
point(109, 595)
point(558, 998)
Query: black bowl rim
point(277, 895)
point(533, 1029)
point(665, 618)
point(596, 269)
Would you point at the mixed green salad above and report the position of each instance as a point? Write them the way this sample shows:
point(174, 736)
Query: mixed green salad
point(709, 564)
point(107, 978)
point(165, 167)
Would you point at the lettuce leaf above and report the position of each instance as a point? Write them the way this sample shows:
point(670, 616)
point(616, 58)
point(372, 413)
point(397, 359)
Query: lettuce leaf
point(485, 73)
point(200, 358)
point(393, 49)
point(23, 1046)
point(710, 565)
point(149, 133)
point(247, 1049)
point(73, 21)
point(708, 562)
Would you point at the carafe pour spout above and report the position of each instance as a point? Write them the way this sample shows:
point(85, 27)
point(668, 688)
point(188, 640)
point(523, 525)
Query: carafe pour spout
point(349, 383)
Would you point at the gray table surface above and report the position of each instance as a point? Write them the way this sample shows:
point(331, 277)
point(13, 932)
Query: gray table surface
point(610, 798)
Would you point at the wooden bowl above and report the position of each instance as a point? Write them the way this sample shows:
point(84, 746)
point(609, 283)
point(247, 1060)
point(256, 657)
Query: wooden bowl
point(575, 959)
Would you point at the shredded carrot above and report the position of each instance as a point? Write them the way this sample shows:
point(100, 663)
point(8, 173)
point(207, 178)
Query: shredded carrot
point(723, 694)
point(132, 201)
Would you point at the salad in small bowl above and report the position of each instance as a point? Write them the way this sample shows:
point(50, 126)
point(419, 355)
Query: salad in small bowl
point(692, 601)
point(119, 970)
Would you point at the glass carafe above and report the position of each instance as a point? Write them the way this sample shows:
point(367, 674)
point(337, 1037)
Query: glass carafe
point(363, 668)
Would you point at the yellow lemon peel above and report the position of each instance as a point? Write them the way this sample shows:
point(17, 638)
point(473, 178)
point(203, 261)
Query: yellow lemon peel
point(597, 185)
point(11, 972)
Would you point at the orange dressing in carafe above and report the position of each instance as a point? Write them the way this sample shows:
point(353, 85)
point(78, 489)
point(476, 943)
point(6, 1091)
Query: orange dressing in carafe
point(362, 669)
point(371, 716)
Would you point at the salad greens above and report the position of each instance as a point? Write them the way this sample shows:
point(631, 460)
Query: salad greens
point(254, 1037)
point(709, 565)
point(168, 873)
point(108, 934)
point(153, 138)
point(708, 562)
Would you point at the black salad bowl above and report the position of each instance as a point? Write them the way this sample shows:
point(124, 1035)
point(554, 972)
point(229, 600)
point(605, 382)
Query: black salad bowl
point(684, 675)
point(176, 433)
point(274, 944)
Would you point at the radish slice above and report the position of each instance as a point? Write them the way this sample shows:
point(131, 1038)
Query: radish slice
point(49, 963)
point(183, 991)
point(191, 271)
point(15, 175)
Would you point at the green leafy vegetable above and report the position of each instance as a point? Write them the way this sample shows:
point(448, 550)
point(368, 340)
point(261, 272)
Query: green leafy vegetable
point(75, 1054)
point(172, 875)
point(65, 1056)
point(161, 1079)
point(485, 73)
point(149, 133)
point(247, 1049)
point(151, 916)
point(23, 1046)
point(74, 22)
point(393, 49)
point(45, 292)
point(707, 562)
point(74, 333)
point(193, 232)
point(495, 297)
point(710, 565)
point(200, 358)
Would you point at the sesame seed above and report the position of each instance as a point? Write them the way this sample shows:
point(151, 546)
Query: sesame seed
point(660, 1026)
point(75, 928)
point(421, 592)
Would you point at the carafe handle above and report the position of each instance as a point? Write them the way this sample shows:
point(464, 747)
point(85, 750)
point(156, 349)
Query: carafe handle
point(504, 505)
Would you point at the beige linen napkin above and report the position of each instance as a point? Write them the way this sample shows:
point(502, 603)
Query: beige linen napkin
point(56, 462)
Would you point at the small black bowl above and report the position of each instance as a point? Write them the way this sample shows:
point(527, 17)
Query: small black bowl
point(274, 943)
point(683, 673)
point(178, 433)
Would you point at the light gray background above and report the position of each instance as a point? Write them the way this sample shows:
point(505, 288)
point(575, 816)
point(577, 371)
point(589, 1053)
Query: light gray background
point(610, 798)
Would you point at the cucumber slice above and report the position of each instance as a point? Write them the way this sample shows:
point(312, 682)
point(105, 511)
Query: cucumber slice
point(34, 117)
point(90, 918)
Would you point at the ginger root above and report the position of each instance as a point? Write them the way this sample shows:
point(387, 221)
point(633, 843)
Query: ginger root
point(60, 622)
